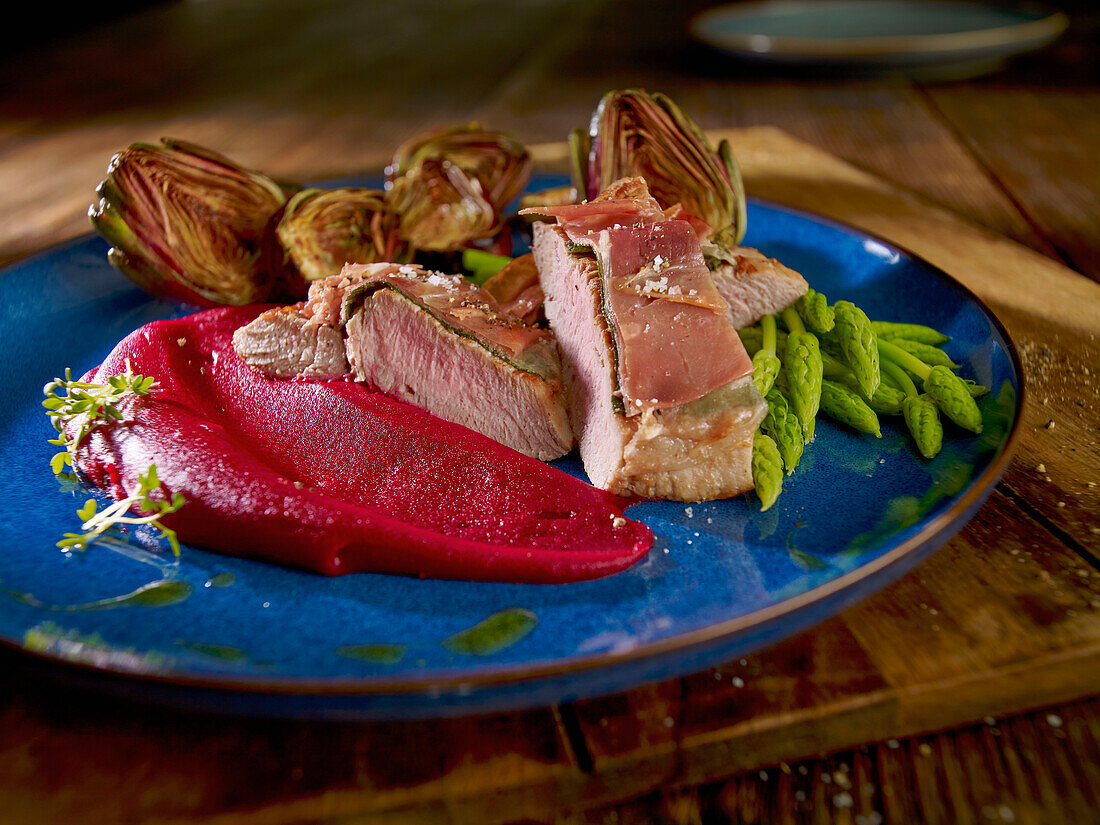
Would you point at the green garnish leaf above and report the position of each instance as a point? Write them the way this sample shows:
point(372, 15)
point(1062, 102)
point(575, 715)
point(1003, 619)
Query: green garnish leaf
point(75, 409)
point(150, 511)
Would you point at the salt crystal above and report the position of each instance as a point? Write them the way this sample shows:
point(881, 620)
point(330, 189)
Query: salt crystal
point(435, 279)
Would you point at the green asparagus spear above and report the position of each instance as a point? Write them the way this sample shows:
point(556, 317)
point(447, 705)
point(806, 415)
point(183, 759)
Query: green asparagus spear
point(784, 428)
point(924, 424)
point(953, 397)
point(802, 364)
point(888, 377)
point(765, 367)
point(933, 356)
point(845, 405)
point(832, 367)
point(815, 311)
point(919, 411)
point(945, 388)
point(890, 331)
point(830, 345)
point(765, 363)
point(857, 342)
point(753, 339)
point(767, 470)
point(897, 377)
point(887, 398)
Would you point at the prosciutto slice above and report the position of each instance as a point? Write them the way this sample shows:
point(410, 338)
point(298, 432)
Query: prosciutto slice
point(673, 338)
point(675, 344)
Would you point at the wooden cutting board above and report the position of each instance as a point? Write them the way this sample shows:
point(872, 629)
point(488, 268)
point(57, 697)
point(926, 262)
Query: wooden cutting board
point(1006, 617)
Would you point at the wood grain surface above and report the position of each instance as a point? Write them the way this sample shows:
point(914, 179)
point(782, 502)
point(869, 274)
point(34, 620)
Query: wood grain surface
point(965, 692)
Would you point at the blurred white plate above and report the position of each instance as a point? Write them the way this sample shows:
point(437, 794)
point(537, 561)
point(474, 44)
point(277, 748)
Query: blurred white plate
point(962, 38)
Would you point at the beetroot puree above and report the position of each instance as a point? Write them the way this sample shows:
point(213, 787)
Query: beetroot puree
point(332, 477)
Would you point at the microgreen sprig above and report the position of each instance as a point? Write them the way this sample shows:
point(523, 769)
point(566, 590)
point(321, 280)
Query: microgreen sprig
point(97, 522)
point(75, 409)
point(84, 404)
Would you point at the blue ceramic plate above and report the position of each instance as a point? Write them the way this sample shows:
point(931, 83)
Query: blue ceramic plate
point(962, 38)
point(722, 578)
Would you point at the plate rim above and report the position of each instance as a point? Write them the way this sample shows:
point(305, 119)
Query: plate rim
point(1038, 31)
point(514, 674)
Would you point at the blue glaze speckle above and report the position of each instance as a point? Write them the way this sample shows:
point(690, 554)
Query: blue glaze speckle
point(722, 578)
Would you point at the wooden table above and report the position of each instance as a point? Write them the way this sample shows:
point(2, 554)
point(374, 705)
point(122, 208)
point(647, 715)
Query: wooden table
point(966, 692)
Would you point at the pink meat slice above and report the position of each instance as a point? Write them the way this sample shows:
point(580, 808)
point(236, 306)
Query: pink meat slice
point(434, 340)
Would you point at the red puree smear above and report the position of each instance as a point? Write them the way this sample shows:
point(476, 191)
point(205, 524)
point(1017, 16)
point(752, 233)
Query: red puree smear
point(381, 486)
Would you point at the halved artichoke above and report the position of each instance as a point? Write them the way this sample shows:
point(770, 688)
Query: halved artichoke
point(322, 229)
point(188, 223)
point(633, 132)
point(452, 185)
point(441, 207)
